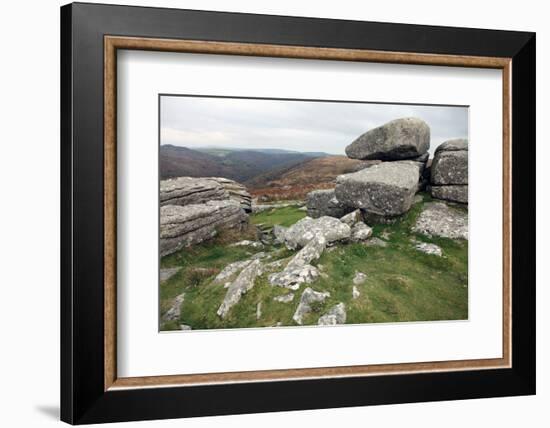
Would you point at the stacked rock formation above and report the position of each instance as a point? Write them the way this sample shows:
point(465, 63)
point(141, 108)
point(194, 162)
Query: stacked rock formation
point(449, 171)
point(192, 210)
point(395, 155)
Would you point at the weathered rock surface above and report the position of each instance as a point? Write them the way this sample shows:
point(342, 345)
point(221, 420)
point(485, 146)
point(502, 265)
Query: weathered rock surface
point(427, 248)
point(450, 163)
point(309, 297)
point(360, 232)
point(438, 219)
point(279, 233)
point(230, 271)
point(323, 203)
point(359, 278)
point(304, 230)
point(236, 191)
point(454, 193)
point(167, 273)
point(173, 313)
point(376, 242)
point(386, 189)
point(181, 226)
point(352, 218)
point(399, 139)
point(285, 298)
point(190, 190)
point(247, 243)
point(299, 270)
point(185, 327)
point(243, 283)
point(355, 292)
point(336, 315)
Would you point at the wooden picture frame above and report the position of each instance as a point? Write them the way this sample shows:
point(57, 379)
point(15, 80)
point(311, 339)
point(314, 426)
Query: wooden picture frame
point(91, 390)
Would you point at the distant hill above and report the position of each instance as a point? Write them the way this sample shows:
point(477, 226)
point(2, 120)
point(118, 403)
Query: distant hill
point(295, 181)
point(239, 165)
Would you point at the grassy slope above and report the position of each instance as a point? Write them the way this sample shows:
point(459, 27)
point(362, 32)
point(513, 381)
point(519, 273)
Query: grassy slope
point(402, 283)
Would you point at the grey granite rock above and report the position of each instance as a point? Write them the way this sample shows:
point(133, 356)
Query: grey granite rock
point(438, 219)
point(181, 226)
point(285, 298)
point(360, 232)
point(230, 271)
point(399, 139)
point(386, 189)
point(450, 163)
point(236, 191)
point(299, 270)
point(323, 203)
point(355, 292)
point(454, 193)
point(352, 218)
point(309, 297)
point(190, 190)
point(167, 273)
point(336, 315)
point(304, 230)
point(359, 278)
point(242, 284)
point(173, 313)
point(427, 248)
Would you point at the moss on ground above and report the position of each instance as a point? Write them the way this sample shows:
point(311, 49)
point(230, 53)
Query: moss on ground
point(402, 284)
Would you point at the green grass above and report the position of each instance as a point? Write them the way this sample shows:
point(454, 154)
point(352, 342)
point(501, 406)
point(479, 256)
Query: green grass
point(402, 283)
point(286, 216)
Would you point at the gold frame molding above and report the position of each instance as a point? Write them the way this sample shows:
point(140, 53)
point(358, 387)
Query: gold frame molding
point(113, 43)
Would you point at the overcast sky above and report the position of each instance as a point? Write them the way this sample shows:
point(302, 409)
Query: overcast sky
point(292, 125)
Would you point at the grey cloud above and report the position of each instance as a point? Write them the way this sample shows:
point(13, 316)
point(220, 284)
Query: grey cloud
point(292, 125)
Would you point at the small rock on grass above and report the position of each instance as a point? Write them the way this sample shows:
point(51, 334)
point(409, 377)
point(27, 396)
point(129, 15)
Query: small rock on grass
point(309, 296)
point(247, 243)
point(174, 312)
point(185, 327)
point(285, 298)
point(259, 310)
point(431, 249)
point(359, 278)
point(360, 232)
point(355, 292)
point(376, 242)
point(242, 284)
point(166, 274)
point(336, 315)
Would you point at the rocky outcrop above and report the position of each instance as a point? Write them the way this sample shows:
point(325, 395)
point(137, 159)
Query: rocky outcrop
point(386, 189)
point(191, 190)
point(181, 226)
point(336, 315)
point(329, 228)
point(299, 270)
point(309, 297)
point(236, 191)
point(242, 284)
point(438, 219)
point(449, 171)
point(324, 203)
point(399, 139)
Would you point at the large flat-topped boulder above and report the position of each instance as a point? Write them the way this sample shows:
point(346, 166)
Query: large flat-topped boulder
point(193, 190)
point(450, 164)
point(181, 226)
point(399, 139)
point(386, 189)
point(190, 190)
point(323, 202)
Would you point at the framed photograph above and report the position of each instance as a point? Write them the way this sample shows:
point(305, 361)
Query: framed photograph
point(266, 213)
